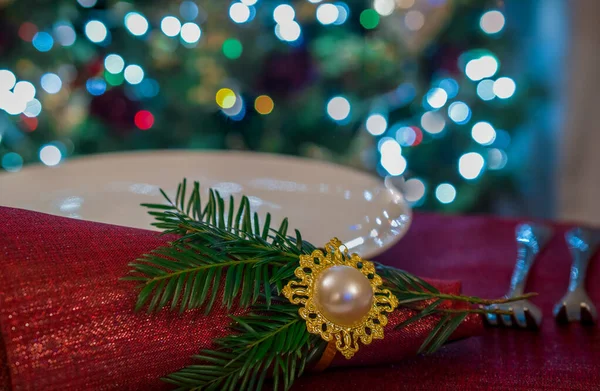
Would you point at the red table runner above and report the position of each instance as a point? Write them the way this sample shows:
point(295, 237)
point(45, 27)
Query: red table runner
point(480, 251)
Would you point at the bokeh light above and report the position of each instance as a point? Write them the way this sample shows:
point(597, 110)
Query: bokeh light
point(492, 22)
point(459, 112)
point(96, 31)
point(414, 190)
point(436, 98)
point(327, 14)
point(225, 98)
point(369, 19)
point(497, 159)
point(42, 41)
point(27, 31)
point(384, 7)
point(470, 165)
point(237, 111)
point(65, 34)
point(343, 13)
point(433, 122)
point(148, 88)
point(483, 133)
point(249, 2)
point(7, 79)
point(232, 48)
point(284, 13)
point(445, 193)
point(188, 10)
point(409, 136)
point(391, 157)
point(134, 74)
point(414, 20)
point(239, 12)
point(87, 3)
point(114, 63)
point(12, 162)
point(288, 32)
point(264, 104)
point(51, 83)
point(376, 124)
point(504, 87)
point(190, 33)
point(33, 108)
point(96, 86)
point(481, 68)
point(136, 23)
point(170, 26)
point(11, 103)
point(24, 91)
point(50, 155)
point(450, 86)
point(338, 108)
point(143, 119)
point(485, 89)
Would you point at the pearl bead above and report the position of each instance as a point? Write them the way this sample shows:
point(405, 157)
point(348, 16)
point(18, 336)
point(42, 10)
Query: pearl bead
point(343, 295)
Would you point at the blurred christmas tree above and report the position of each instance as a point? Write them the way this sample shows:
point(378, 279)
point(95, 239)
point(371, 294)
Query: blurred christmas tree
point(408, 88)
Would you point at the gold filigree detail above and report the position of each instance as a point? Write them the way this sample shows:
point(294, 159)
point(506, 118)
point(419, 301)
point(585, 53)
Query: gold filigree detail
point(302, 292)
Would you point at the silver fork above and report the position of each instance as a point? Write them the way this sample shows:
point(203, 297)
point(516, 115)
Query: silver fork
point(531, 239)
point(576, 304)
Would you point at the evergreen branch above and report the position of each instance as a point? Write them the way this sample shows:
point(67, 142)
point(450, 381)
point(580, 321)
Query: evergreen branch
point(266, 341)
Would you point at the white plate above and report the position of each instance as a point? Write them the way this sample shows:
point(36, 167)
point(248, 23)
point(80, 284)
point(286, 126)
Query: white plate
point(320, 199)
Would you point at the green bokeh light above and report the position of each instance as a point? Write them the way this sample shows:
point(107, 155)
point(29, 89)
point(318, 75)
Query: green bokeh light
point(369, 19)
point(113, 79)
point(232, 48)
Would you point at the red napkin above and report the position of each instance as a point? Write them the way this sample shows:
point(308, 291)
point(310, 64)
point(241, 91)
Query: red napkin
point(67, 320)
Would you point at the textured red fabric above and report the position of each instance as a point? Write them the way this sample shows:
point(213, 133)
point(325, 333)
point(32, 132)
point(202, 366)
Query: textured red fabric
point(67, 321)
point(480, 251)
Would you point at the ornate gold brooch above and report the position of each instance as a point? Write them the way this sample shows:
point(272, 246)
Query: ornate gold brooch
point(342, 297)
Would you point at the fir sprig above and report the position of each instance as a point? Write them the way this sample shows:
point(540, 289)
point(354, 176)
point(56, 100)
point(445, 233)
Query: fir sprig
point(229, 251)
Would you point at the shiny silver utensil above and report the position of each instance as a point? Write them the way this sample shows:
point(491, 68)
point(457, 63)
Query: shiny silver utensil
point(576, 304)
point(531, 239)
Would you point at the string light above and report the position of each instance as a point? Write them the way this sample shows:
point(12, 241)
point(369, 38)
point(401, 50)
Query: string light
point(96, 31)
point(492, 22)
point(445, 193)
point(170, 26)
point(249, 2)
point(264, 104)
point(470, 165)
point(87, 3)
point(409, 136)
point(504, 87)
point(376, 124)
point(237, 111)
point(24, 91)
point(338, 108)
point(50, 155)
point(51, 83)
point(136, 23)
point(114, 63)
point(450, 86)
point(343, 13)
point(288, 32)
point(190, 33)
point(497, 159)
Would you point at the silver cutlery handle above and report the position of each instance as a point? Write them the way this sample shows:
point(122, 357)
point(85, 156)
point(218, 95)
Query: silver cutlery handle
point(531, 239)
point(582, 243)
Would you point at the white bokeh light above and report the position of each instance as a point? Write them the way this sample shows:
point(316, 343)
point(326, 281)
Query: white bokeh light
point(459, 112)
point(492, 22)
point(504, 87)
point(481, 68)
point(284, 13)
point(50, 155)
point(134, 74)
point(249, 2)
point(239, 12)
point(327, 14)
point(391, 157)
point(24, 91)
point(384, 7)
point(470, 165)
point(497, 159)
point(51, 83)
point(413, 190)
point(338, 108)
point(65, 34)
point(7, 79)
point(170, 26)
point(136, 23)
point(433, 122)
point(483, 133)
point(96, 31)
point(414, 20)
point(289, 31)
point(190, 32)
point(114, 63)
point(437, 97)
point(485, 89)
point(445, 193)
point(33, 108)
point(12, 104)
point(376, 124)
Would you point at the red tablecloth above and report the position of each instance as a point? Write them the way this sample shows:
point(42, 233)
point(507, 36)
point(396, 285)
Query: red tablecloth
point(480, 251)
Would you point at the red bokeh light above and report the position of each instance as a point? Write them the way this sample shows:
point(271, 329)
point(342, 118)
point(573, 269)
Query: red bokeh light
point(418, 136)
point(27, 31)
point(30, 124)
point(144, 119)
